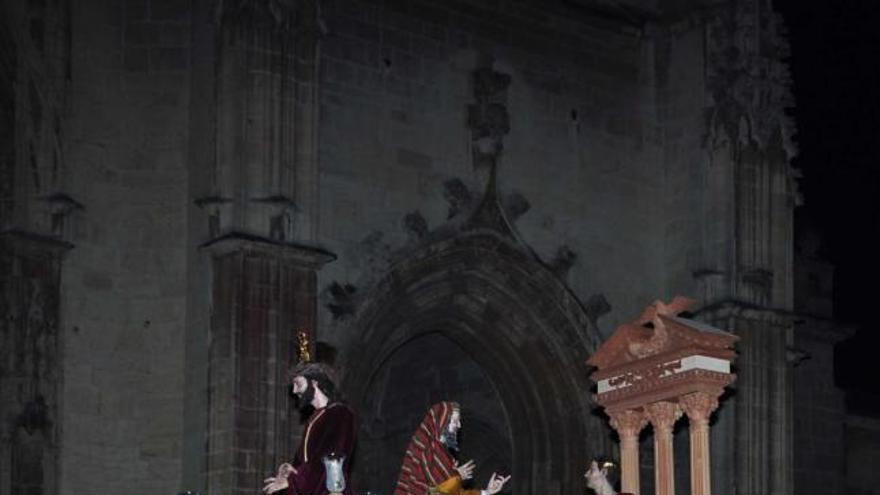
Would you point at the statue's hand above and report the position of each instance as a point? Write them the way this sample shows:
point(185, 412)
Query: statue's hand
point(496, 483)
point(466, 470)
point(279, 481)
point(274, 484)
point(285, 470)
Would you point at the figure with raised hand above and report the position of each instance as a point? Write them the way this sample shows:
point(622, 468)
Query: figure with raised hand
point(429, 464)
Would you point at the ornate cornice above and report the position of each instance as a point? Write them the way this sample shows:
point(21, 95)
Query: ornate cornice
point(665, 388)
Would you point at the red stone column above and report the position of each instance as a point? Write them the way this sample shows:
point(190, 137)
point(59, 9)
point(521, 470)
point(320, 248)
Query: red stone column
point(663, 416)
point(629, 424)
point(263, 294)
point(30, 350)
point(699, 406)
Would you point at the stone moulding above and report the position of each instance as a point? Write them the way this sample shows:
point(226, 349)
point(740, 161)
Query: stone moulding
point(665, 388)
point(664, 370)
point(661, 360)
point(723, 310)
point(233, 242)
point(30, 242)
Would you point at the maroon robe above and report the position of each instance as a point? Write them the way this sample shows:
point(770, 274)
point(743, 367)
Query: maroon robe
point(330, 430)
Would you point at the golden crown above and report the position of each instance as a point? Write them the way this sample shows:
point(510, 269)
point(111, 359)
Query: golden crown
point(304, 352)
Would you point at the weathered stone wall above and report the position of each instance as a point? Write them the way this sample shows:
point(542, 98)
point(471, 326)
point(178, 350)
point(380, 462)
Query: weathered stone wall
point(862, 454)
point(820, 417)
point(819, 413)
point(814, 285)
point(581, 166)
point(604, 176)
point(124, 286)
point(583, 149)
point(30, 363)
point(648, 163)
point(8, 64)
point(695, 210)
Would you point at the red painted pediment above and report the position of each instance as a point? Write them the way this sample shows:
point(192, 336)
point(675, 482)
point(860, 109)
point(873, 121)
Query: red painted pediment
point(659, 332)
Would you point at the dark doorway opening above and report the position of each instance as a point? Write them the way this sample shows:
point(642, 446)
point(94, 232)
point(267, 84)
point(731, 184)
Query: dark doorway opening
point(423, 371)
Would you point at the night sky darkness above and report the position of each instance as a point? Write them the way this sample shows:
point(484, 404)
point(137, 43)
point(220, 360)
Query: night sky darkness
point(836, 70)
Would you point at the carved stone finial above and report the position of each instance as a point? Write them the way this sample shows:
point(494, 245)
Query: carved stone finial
point(596, 307)
point(563, 261)
point(457, 195)
point(415, 225)
point(515, 205)
point(488, 118)
point(341, 299)
point(489, 123)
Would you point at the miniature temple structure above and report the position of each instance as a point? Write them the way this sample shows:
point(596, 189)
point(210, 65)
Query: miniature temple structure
point(653, 370)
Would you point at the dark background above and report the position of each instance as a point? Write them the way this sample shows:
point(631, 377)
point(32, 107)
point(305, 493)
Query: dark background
point(835, 65)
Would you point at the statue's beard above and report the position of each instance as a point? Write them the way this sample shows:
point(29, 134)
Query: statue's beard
point(304, 399)
point(450, 440)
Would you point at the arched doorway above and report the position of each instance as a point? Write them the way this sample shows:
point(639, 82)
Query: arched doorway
point(424, 371)
point(518, 323)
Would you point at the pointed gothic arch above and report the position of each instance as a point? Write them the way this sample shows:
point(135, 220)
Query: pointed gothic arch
point(522, 326)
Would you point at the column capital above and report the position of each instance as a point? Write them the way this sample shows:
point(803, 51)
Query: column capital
point(699, 405)
point(628, 422)
point(663, 415)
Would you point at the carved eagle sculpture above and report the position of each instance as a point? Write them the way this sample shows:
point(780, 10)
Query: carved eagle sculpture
point(659, 337)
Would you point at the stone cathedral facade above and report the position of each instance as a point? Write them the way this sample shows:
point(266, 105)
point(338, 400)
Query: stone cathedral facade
point(458, 199)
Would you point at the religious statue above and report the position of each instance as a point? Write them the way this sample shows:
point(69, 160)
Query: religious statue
point(597, 479)
point(429, 465)
point(328, 438)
